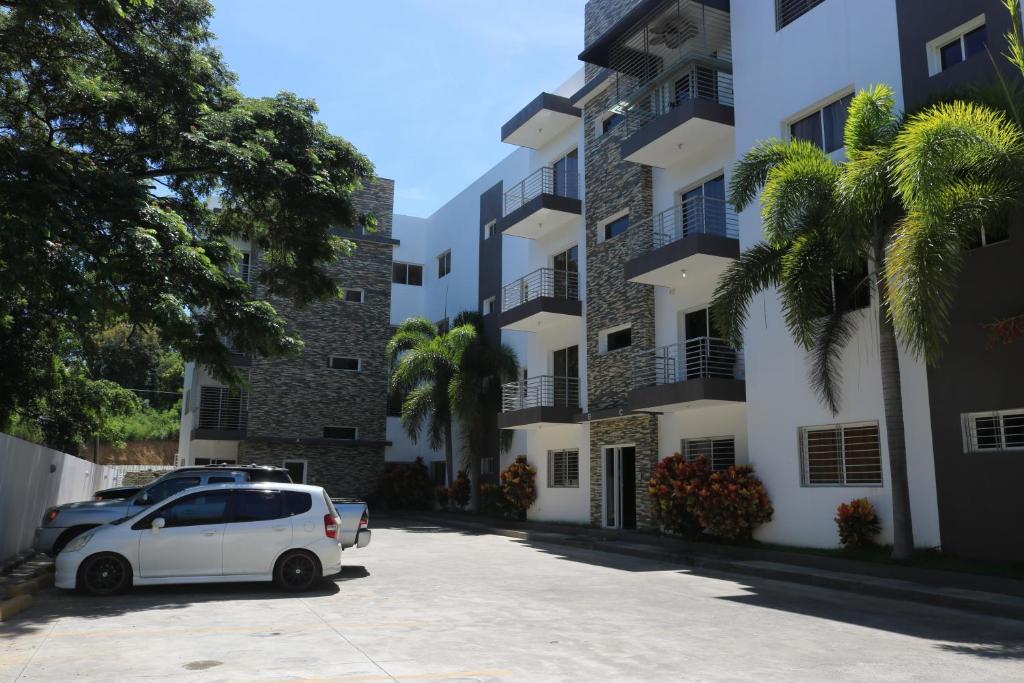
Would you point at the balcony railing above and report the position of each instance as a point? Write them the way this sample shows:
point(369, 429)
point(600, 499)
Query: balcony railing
point(693, 82)
point(223, 408)
point(695, 216)
point(702, 357)
point(545, 391)
point(245, 271)
point(544, 180)
point(545, 282)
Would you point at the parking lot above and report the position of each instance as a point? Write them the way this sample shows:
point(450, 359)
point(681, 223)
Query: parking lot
point(427, 604)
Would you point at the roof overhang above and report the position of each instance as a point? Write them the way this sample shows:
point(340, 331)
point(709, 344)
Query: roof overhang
point(541, 121)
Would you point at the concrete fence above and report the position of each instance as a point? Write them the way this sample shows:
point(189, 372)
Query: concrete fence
point(33, 478)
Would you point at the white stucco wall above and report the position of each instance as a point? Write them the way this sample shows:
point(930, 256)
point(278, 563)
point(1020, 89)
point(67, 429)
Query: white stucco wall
point(779, 74)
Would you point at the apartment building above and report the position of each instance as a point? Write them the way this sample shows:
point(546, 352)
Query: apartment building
point(594, 247)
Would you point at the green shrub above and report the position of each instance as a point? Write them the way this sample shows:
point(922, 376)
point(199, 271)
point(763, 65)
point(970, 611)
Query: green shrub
point(407, 485)
point(492, 502)
point(459, 492)
point(858, 523)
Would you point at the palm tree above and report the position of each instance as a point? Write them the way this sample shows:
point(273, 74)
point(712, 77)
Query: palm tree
point(477, 395)
point(425, 370)
point(958, 167)
point(823, 222)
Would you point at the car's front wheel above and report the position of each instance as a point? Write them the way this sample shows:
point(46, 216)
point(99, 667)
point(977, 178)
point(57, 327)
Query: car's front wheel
point(297, 571)
point(104, 574)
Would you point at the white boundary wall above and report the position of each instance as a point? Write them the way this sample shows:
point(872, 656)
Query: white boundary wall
point(33, 478)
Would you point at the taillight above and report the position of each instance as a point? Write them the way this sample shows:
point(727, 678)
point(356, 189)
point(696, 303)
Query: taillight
point(331, 526)
point(52, 514)
point(364, 521)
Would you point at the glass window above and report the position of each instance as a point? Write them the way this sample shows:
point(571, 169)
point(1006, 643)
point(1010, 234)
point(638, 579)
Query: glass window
point(564, 469)
point(720, 451)
point(825, 126)
point(995, 431)
point(616, 227)
point(257, 506)
point(841, 455)
point(168, 487)
point(567, 175)
point(344, 433)
point(221, 480)
point(407, 274)
point(210, 507)
point(274, 476)
point(620, 339)
point(344, 363)
point(950, 54)
point(611, 123)
point(807, 128)
point(296, 502)
point(975, 41)
point(488, 305)
point(444, 264)
point(354, 296)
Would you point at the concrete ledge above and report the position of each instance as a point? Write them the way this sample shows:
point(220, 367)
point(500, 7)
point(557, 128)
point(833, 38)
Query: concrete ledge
point(8, 608)
point(983, 594)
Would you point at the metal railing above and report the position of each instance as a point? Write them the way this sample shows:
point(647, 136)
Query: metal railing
point(545, 180)
point(245, 271)
point(695, 216)
point(695, 81)
point(549, 282)
point(223, 408)
point(545, 391)
point(701, 357)
point(788, 11)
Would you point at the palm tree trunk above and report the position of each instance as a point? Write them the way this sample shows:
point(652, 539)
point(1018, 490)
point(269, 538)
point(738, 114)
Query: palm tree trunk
point(892, 400)
point(448, 446)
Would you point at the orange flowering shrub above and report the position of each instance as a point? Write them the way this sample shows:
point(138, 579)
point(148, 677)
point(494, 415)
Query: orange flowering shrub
point(690, 499)
point(459, 491)
point(519, 485)
point(407, 485)
point(858, 523)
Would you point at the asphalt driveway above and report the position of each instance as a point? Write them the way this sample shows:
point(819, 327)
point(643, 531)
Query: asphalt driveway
point(426, 604)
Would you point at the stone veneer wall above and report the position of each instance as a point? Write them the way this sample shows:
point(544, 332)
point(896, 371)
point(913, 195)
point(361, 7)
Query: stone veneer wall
point(291, 400)
point(599, 16)
point(642, 432)
point(612, 185)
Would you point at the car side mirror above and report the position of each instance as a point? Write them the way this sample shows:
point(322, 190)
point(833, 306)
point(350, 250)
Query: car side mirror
point(143, 499)
point(159, 523)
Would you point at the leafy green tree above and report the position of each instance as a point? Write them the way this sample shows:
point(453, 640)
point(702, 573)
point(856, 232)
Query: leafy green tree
point(120, 124)
point(425, 363)
point(134, 358)
point(823, 221)
point(959, 167)
point(477, 394)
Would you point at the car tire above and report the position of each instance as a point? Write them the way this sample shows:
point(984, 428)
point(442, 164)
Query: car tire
point(104, 574)
point(297, 571)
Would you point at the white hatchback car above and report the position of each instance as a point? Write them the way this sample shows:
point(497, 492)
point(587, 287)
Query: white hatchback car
point(287, 533)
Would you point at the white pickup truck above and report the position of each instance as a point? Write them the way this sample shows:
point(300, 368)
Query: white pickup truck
point(62, 523)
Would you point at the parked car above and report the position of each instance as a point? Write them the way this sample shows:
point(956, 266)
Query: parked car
point(62, 523)
point(286, 533)
point(116, 493)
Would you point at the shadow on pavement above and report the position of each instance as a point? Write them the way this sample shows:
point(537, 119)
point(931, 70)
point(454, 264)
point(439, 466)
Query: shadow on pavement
point(55, 603)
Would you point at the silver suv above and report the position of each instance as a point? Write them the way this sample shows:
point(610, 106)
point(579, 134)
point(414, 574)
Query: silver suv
point(62, 523)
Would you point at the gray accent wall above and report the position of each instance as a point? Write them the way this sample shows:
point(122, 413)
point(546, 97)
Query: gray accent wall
point(291, 400)
point(489, 284)
point(978, 493)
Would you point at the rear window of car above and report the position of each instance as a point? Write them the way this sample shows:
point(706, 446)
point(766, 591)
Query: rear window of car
point(297, 502)
point(256, 506)
point(271, 476)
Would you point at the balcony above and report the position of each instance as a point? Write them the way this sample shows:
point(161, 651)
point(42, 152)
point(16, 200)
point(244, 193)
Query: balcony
point(683, 115)
point(540, 122)
point(543, 202)
point(704, 371)
point(223, 414)
point(544, 298)
point(529, 403)
point(691, 242)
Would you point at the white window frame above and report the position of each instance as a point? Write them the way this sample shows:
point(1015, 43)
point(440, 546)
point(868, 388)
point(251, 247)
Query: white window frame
point(805, 477)
point(362, 295)
point(487, 307)
point(684, 449)
point(602, 338)
point(601, 225)
point(970, 433)
point(446, 256)
point(330, 366)
point(355, 432)
point(489, 228)
point(568, 483)
point(305, 468)
point(935, 45)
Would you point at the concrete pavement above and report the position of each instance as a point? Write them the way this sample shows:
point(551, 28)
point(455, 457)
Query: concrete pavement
point(427, 604)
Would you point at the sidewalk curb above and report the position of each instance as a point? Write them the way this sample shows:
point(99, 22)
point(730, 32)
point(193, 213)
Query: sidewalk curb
point(12, 606)
point(993, 604)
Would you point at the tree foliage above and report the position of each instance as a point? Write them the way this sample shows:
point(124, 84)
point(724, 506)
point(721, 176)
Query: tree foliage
point(120, 124)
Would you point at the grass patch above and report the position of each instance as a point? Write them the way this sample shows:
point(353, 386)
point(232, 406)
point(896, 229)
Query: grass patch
point(923, 559)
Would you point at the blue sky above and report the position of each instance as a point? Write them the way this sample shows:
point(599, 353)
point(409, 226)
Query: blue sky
point(420, 86)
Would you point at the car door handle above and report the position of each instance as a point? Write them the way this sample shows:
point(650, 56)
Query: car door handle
point(280, 528)
point(212, 532)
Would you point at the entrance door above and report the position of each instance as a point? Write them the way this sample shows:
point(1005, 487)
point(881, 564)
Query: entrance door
point(567, 266)
point(620, 487)
point(566, 376)
point(703, 208)
point(567, 175)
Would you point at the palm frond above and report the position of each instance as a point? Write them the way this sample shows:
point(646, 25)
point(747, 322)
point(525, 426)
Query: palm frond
point(418, 411)
point(832, 334)
point(751, 171)
point(757, 269)
point(805, 286)
point(1015, 42)
point(871, 121)
point(799, 196)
